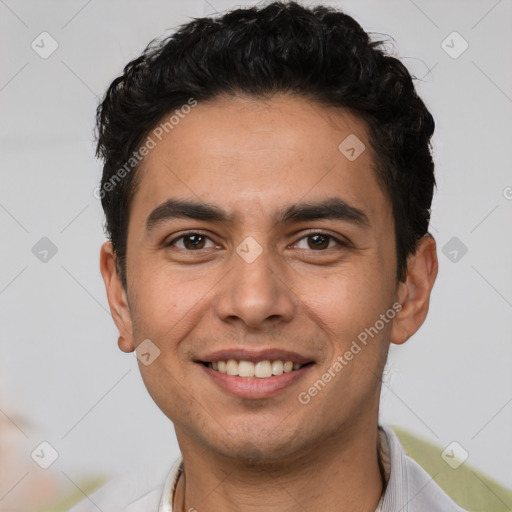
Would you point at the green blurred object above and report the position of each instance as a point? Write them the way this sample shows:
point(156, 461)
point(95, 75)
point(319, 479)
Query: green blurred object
point(86, 488)
point(470, 488)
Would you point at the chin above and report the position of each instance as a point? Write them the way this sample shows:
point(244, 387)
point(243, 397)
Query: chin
point(257, 455)
point(259, 448)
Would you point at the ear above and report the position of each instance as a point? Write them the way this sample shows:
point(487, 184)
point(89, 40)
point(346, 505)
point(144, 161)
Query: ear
point(414, 292)
point(117, 297)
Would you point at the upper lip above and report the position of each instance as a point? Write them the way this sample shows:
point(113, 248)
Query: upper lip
point(242, 354)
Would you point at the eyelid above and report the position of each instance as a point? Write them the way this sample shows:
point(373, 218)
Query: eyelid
point(340, 240)
point(185, 234)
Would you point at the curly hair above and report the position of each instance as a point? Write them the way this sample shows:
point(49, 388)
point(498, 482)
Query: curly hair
point(320, 54)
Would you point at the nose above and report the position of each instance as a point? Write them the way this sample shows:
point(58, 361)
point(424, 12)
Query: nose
point(256, 292)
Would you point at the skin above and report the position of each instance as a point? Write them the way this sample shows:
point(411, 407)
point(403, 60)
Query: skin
point(252, 157)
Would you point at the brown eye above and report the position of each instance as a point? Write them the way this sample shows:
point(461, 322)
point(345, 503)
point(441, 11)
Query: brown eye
point(194, 241)
point(320, 241)
point(191, 241)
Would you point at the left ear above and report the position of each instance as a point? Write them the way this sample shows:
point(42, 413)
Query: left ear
point(414, 292)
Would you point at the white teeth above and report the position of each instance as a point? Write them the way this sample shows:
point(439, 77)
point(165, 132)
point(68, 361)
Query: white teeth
point(277, 367)
point(245, 369)
point(287, 366)
point(232, 367)
point(261, 369)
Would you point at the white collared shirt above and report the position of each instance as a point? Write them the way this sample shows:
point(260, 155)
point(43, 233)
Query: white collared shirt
point(409, 487)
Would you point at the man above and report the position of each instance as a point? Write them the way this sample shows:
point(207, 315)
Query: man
point(267, 186)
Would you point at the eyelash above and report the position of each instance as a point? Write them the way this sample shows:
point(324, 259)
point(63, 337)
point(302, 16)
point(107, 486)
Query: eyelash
point(307, 235)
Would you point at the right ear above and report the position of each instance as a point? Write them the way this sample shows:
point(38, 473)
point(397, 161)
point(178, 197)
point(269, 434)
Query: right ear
point(117, 297)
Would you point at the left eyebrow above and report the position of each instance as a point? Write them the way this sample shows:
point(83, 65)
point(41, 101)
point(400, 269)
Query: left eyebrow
point(333, 208)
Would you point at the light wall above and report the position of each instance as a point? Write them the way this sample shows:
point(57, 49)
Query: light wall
point(61, 370)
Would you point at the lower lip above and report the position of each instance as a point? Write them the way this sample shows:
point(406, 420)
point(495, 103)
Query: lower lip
point(254, 387)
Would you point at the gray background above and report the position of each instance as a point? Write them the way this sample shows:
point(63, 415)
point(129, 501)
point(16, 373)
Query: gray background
point(62, 377)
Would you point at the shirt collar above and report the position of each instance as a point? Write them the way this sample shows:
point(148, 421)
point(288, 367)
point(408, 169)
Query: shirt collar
point(394, 461)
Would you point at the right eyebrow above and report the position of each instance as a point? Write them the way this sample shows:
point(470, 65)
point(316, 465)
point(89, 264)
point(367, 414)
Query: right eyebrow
point(182, 208)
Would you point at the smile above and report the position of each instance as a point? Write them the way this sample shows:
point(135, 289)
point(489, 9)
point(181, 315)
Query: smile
point(255, 380)
point(249, 369)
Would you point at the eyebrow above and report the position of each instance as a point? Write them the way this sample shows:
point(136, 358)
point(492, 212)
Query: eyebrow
point(333, 208)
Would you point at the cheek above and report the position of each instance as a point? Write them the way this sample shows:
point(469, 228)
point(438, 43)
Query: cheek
point(167, 307)
point(347, 301)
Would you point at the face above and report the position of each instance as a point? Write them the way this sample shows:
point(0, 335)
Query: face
point(289, 256)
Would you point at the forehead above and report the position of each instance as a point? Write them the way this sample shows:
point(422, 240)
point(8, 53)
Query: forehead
point(248, 154)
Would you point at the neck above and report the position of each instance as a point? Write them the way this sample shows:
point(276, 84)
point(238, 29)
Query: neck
point(340, 474)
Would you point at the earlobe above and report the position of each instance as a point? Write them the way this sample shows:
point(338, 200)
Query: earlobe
point(117, 297)
point(125, 345)
point(414, 292)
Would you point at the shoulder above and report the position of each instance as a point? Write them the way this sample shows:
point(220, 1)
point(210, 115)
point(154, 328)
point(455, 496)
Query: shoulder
point(409, 486)
point(424, 492)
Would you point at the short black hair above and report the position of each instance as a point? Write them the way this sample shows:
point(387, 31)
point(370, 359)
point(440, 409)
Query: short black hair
point(320, 54)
